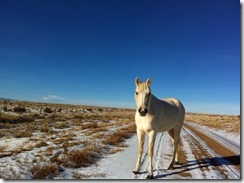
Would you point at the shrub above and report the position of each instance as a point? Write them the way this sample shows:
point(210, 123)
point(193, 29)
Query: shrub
point(89, 125)
point(120, 136)
point(81, 158)
point(61, 125)
point(40, 144)
point(42, 171)
point(44, 127)
point(5, 109)
point(15, 119)
point(19, 109)
point(48, 110)
point(22, 133)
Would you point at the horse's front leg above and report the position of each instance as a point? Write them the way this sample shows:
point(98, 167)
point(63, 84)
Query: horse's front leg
point(151, 135)
point(141, 137)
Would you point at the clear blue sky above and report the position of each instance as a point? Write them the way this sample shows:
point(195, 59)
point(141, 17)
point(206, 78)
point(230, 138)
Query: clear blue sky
point(90, 51)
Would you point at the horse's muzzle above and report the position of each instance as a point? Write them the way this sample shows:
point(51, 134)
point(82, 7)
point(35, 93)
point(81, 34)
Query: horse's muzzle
point(142, 111)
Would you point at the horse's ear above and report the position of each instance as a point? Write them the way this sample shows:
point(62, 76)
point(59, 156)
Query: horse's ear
point(148, 82)
point(137, 81)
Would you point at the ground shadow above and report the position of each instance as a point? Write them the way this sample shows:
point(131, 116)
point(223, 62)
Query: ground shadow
point(205, 162)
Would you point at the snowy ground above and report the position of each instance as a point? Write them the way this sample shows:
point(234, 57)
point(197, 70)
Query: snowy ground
point(121, 164)
point(206, 153)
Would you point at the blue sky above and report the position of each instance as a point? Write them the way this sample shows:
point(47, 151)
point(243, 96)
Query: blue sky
point(90, 51)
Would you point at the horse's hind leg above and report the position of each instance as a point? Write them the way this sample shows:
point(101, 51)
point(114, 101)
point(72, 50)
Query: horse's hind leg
point(174, 134)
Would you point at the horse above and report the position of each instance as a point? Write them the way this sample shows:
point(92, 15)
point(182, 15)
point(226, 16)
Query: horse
point(154, 115)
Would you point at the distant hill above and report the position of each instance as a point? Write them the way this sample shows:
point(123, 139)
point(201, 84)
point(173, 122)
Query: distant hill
point(6, 98)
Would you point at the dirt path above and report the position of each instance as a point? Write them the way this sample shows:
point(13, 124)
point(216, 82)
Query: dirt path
point(202, 157)
point(213, 159)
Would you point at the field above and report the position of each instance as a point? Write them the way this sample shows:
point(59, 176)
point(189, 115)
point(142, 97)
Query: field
point(229, 123)
point(57, 141)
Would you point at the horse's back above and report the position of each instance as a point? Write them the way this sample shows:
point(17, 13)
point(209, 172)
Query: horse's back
point(177, 105)
point(175, 102)
point(173, 105)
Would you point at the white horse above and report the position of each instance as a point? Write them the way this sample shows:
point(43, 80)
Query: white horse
point(152, 116)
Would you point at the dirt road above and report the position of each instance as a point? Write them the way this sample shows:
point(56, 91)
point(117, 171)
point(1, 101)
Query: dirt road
point(203, 156)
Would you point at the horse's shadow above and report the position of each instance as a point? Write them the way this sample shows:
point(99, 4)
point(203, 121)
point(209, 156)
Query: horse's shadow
point(201, 163)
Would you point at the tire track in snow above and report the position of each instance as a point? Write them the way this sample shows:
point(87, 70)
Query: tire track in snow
point(202, 162)
point(199, 161)
point(161, 158)
point(212, 164)
point(144, 161)
point(226, 142)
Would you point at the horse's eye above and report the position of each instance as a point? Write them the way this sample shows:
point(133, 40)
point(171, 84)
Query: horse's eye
point(136, 93)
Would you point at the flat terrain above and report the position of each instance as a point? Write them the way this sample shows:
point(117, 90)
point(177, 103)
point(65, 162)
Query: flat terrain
point(57, 141)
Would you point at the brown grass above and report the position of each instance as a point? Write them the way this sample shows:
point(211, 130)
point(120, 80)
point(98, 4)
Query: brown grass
point(45, 126)
point(89, 125)
point(4, 118)
point(119, 136)
point(40, 144)
point(78, 175)
point(22, 133)
point(95, 124)
point(25, 130)
point(228, 123)
point(4, 153)
point(115, 150)
point(42, 171)
point(61, 125)
point(81, 158)
point(97, 136)
point(2, 148)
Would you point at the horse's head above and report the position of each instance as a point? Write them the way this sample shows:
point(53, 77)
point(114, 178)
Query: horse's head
point(142, 95)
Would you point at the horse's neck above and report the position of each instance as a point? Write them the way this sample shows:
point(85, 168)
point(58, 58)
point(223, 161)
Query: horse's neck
point(152, 104)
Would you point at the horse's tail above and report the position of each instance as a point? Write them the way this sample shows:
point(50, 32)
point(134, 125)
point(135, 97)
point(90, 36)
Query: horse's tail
point(182, 112)
point(181, 109)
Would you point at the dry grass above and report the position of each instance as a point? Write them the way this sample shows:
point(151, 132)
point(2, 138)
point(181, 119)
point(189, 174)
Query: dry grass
point(79, 134)
point(66, 140)
point(89, 125)
point(97, 136)
point(61, 125)
point(45, 126)
point(15, 119)
point(22, 133)
point(119, 136)
point(25, 131)
point(78, 175)
point(3, 148)
point(81, 158)
point(40, 144)
point(83, 134)
point(116, 149)
point(42, 171)
point(3, 152)
point(228, 123)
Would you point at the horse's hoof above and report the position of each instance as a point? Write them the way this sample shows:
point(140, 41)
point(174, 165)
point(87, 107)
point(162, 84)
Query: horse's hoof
point(177, 163)
point(149, 177)
point(135, 172)
point(171, 167)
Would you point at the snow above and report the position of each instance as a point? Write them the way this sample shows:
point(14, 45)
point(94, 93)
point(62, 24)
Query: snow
point(233, 138)
point(229, 140)
point(13, 143)
point(121, 164)
point(118, 165)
